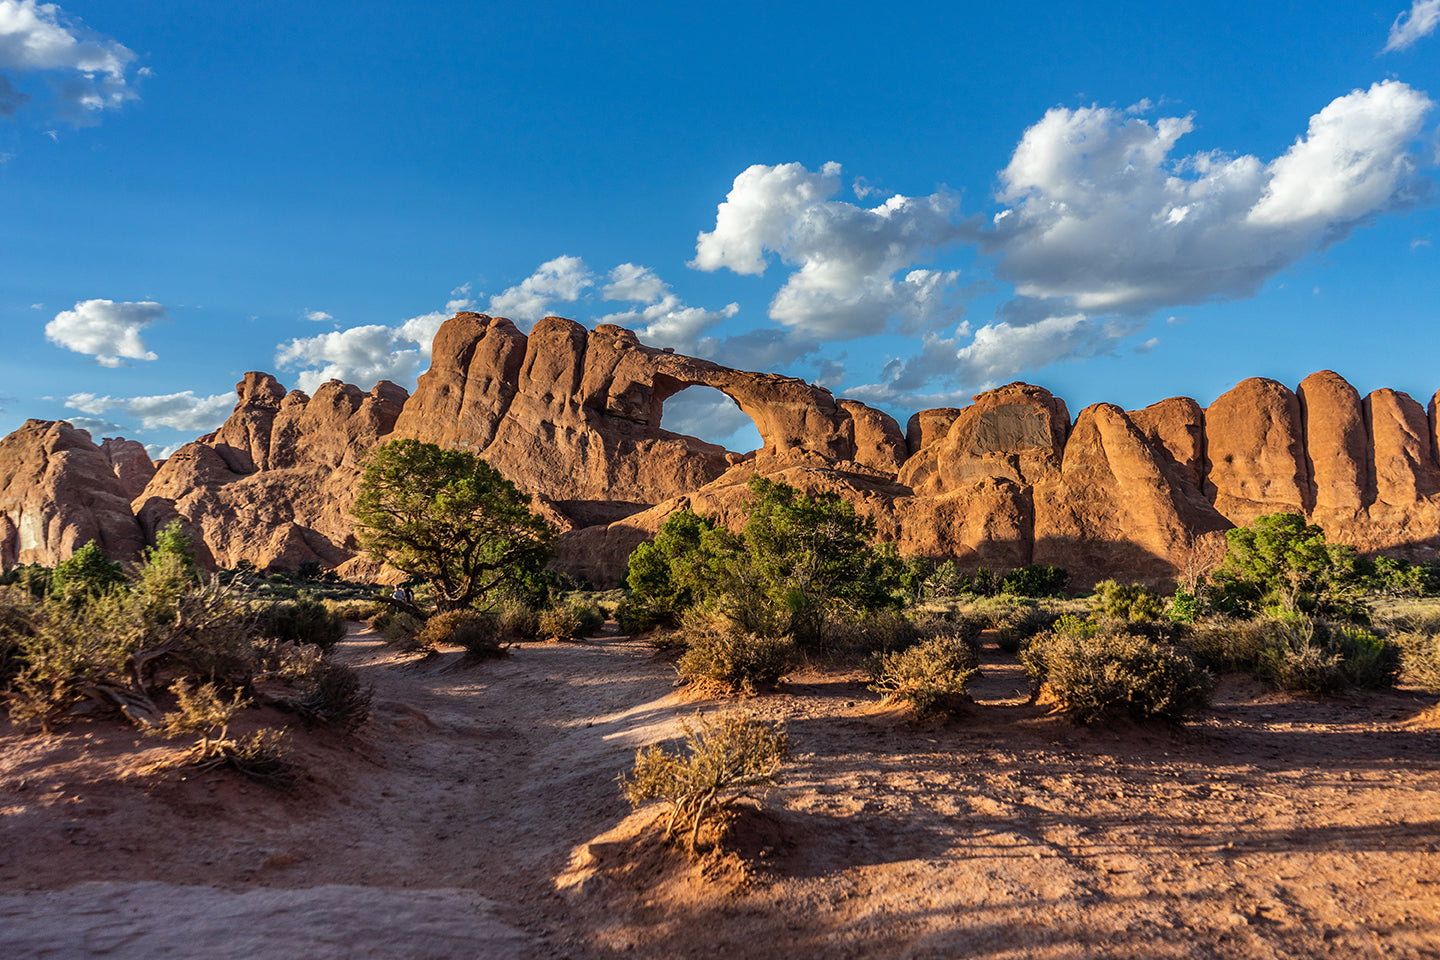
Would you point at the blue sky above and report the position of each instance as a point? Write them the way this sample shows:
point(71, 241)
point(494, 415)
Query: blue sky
point(1119, 201)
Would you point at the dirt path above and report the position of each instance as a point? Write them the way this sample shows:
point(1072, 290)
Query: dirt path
point(477, 815)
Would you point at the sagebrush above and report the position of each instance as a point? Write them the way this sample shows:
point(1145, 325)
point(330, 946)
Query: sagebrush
point(723, 758)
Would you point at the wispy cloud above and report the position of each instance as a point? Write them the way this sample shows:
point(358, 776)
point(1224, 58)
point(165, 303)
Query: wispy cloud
point(1413, 25)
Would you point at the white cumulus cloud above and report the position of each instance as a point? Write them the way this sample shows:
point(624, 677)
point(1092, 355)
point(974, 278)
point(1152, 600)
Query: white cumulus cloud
point(175, 411)
point(366, 354)
point(86, 71)
point(1104, 218)
point(1413, 25)
point(856, 268)
point(560, 280)
point(107, 330)
point(661, 319)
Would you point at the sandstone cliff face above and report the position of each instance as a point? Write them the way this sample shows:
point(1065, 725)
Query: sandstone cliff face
point(59, 491)
point(574, 417)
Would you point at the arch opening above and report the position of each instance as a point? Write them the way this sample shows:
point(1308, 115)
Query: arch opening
point(706, 413)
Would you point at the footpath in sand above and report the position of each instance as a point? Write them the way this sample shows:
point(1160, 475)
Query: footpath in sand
point(478, 815)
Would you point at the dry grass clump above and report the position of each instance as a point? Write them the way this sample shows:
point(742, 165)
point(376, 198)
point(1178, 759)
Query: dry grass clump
point(566, 621)
point(396, 625)
point(930, 677)
point(480, 634)
point(723, 759)
point(1093, 674)
point(203, 710)
point(1319, 658)
point(1420, 659)
point(722, 657)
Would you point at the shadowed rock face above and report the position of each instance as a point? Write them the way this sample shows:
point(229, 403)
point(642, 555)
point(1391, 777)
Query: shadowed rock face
point(573, 417)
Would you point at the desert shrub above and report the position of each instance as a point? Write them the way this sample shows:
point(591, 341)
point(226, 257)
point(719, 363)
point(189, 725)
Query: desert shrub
point(964, 626)
point(1316, 657)
point(1109, 673)
point(479, 633)
point(1280, 564)
point(880, 632)
point(945, 580)
point(1184, 607)
point(578, 618)
point(332, 693)
point(720, 655)
point(356, 611)
point(305, 620)
point(666, 640)
point(723, 759)
point(1228, 645)
point(559, 623)
point(19, 614)
point(396, 625)
point(519, 620)
point(802, 562)
point(87, 572)
point(929, 677)
point(1420, 658)
point(588, 612)
point(1035, 581)
point(64, 651)
point(1022, 623)
point(1126, 601)
point(204, 711)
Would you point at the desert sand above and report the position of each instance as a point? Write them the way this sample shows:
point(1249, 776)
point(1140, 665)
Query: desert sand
point(478, 815)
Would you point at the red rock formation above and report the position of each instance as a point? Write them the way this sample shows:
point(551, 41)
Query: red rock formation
point(574, 417)
point(927, 426)
point(58, 491)
point(1016, 432)
point(129, 462)
point(1405, 470)
point(1256, 462)
point(295, 508)
point(1338, 447)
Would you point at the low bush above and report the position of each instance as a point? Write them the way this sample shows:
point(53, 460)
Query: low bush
point(479, 633)
point(356, 611)
point(396, 625)
point(1420, 659)
point(880, 632)
point(1315, 657)
point(305, 620)
point(930, 677)
point(1184, 607)
point(1108, 673)
point(518, 620)
point(1035, 581)
point(1022, 623)
point(721, 656)
point(204, 711)
point(333, 694)
point(1228, 645)
point(1130, 602)
point(723, 758)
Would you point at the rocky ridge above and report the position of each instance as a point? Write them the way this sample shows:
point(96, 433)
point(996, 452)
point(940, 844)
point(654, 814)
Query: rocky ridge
point(574, 417)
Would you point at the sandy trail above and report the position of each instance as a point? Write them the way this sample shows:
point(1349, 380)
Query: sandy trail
point(477, 815)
